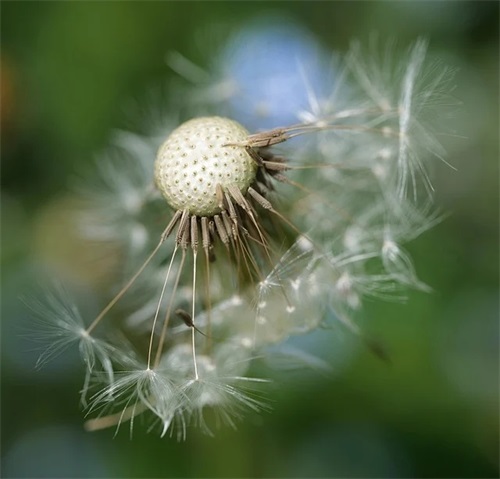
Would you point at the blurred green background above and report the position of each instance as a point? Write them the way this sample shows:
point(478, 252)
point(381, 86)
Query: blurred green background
point(67, 71)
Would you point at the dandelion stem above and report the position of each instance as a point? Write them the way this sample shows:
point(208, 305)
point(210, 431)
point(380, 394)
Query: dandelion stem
point(208, 301)
point(113, 419)
point(129, 284)
point(159, 306)
point(193, 330)
point(167, 316)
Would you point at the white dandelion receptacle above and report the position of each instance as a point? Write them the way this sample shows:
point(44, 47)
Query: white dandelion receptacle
point(198, 156)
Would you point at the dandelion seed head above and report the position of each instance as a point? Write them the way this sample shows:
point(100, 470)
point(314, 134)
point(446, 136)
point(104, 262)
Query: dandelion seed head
point(269, 240)
point(199, 155)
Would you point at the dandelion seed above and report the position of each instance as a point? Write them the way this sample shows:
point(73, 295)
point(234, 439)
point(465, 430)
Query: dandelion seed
point(60, 324)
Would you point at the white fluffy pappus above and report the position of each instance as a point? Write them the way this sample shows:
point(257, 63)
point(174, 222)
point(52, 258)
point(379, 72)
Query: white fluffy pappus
point(265, 232)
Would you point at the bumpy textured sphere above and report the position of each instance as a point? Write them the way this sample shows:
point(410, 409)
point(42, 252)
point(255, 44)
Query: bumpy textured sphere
point(193, 160)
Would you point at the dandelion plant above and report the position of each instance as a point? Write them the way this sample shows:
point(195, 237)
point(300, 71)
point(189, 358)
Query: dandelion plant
point(266, 234)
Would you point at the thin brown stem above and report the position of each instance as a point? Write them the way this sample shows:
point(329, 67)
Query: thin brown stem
point(153, 328)
point(193, 310)
point(134, 277)
point(104, 422)
point(168, 313)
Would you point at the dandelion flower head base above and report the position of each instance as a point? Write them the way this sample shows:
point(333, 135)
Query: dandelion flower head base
point(211, 171)
point(195, 159)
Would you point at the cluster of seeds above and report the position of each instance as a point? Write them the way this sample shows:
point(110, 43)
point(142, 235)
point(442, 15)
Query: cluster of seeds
point(288, 242)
